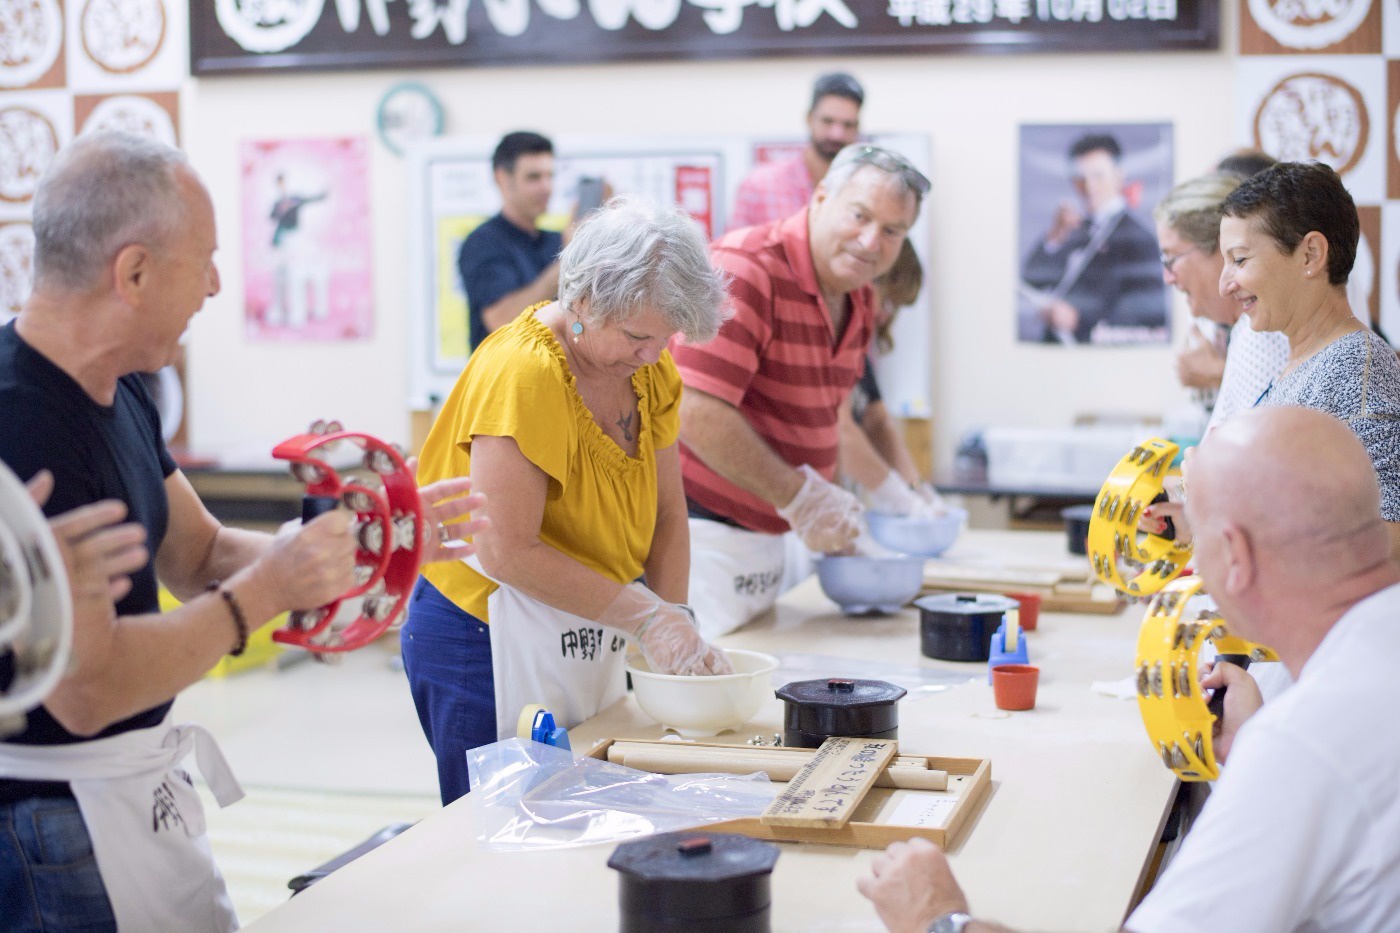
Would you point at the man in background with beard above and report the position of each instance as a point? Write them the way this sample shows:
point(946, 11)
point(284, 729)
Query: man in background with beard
point(776, 190)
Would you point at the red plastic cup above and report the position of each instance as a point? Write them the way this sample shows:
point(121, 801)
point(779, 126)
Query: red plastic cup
point(1014, 686)
point(1030, 609)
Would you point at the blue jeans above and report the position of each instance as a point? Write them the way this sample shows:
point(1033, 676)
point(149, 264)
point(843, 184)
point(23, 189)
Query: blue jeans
point(48, 875)
point(447, 656)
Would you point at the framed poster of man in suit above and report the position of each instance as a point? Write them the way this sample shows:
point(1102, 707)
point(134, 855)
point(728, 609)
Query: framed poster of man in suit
point(1090, 270)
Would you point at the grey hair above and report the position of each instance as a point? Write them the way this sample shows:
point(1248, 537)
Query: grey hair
point(104, 191)
point(635, 255)
point(1194, 208)
point(857, 156)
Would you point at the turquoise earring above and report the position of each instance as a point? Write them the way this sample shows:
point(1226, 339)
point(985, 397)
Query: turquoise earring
point(577, 328)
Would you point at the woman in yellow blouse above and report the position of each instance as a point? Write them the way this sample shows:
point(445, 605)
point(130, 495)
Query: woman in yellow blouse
point(566, 419)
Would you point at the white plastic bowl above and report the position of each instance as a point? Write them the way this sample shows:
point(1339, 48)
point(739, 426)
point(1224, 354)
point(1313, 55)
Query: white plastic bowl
point(864, 584)
point(705, 706)
point(927, 537)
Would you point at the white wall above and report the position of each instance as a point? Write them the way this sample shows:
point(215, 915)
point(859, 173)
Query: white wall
point(245, 397)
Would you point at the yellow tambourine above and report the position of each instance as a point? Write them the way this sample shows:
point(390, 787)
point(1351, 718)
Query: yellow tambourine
point(1113, 532)
point(1173, 707)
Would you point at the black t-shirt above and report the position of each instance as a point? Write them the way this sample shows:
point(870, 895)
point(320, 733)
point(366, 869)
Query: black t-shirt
point(498, 258)
point(95, 452)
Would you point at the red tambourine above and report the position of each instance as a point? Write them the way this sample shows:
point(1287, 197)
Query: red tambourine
point(389, 525)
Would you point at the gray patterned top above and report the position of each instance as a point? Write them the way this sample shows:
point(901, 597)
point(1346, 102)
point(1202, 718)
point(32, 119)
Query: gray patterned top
point(1356, 378)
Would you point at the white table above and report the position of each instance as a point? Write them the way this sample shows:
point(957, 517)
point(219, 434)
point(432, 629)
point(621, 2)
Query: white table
point(1076, 807)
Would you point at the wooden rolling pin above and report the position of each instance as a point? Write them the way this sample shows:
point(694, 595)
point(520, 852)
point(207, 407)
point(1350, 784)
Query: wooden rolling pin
point(778, 767)
point(620, 748)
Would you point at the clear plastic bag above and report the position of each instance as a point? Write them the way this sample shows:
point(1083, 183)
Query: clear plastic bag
point(526, 795)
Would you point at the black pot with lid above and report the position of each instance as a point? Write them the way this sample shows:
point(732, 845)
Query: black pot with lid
point(960, 626)
point(695, 882)
point(815, 710)
point(1077, 527)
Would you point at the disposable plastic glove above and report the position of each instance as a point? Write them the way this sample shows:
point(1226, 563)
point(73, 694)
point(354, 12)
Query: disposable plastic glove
point(666, 632)
point(894, 496)
point(934, 506)
point(825, 516)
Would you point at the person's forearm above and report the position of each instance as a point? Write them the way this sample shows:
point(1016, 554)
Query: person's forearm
point(547, 574)
point(233, 550)
point(544, 288)
point(729, 445)
point(890, 443)
point(132, 663)
point(668, 564)
point(888, 440)
point(859, 460)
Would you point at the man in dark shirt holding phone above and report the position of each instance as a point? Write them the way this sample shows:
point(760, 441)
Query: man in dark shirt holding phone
point(507, 264)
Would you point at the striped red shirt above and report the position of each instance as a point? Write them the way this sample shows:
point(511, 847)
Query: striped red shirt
point(774, 361)
point(771, 192)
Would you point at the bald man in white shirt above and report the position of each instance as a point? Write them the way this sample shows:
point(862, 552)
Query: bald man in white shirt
point(1302, 831)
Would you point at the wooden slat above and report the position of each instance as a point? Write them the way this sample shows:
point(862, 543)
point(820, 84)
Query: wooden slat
point(702, 751)
point(673, 761)
point(827, 790)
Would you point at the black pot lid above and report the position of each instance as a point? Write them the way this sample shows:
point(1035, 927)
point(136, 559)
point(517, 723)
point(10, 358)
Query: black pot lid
point(967, 604)
point(694, 856)
point(841, 692)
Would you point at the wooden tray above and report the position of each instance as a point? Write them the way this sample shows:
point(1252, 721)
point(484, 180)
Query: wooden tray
point(1057, 592)
point(872, 826)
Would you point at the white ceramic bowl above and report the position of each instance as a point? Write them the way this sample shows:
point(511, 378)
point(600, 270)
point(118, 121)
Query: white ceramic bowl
point(704, 706)
point(907, 534)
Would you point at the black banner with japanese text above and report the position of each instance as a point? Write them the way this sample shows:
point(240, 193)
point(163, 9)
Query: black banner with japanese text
point(303, 35)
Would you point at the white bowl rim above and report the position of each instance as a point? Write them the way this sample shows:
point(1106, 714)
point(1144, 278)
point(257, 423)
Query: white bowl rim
point(894, 557)
point(770, 665)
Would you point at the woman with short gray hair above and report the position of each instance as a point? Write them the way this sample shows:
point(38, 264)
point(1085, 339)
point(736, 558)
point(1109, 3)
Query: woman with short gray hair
point(635, 254)
point(567, 420)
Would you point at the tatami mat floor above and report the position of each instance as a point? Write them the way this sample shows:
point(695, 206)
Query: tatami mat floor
point(328, 755)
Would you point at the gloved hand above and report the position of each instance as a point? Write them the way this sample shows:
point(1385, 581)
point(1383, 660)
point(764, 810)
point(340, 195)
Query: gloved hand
point(934, 506)
point(666, 632)
point(894, 496)
point(825, 516)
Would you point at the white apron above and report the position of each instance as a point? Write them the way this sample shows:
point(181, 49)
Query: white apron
point(572, 666)
point(145, 820)
point(736, 574)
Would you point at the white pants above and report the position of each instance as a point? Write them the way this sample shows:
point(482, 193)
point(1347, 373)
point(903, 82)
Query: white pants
point(736, 574)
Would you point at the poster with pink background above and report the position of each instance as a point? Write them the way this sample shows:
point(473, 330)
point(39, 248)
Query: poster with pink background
point(306, 239)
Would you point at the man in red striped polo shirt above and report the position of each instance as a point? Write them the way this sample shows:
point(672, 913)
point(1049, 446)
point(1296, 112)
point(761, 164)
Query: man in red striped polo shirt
point(760, 411)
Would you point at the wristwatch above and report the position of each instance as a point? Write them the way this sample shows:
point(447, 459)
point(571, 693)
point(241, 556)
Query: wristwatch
point(952, 922)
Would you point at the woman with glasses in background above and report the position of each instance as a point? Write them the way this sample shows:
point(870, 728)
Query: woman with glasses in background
point(1188, 232)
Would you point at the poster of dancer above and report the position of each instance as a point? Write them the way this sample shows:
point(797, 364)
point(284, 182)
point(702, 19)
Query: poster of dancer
point(306, 240)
